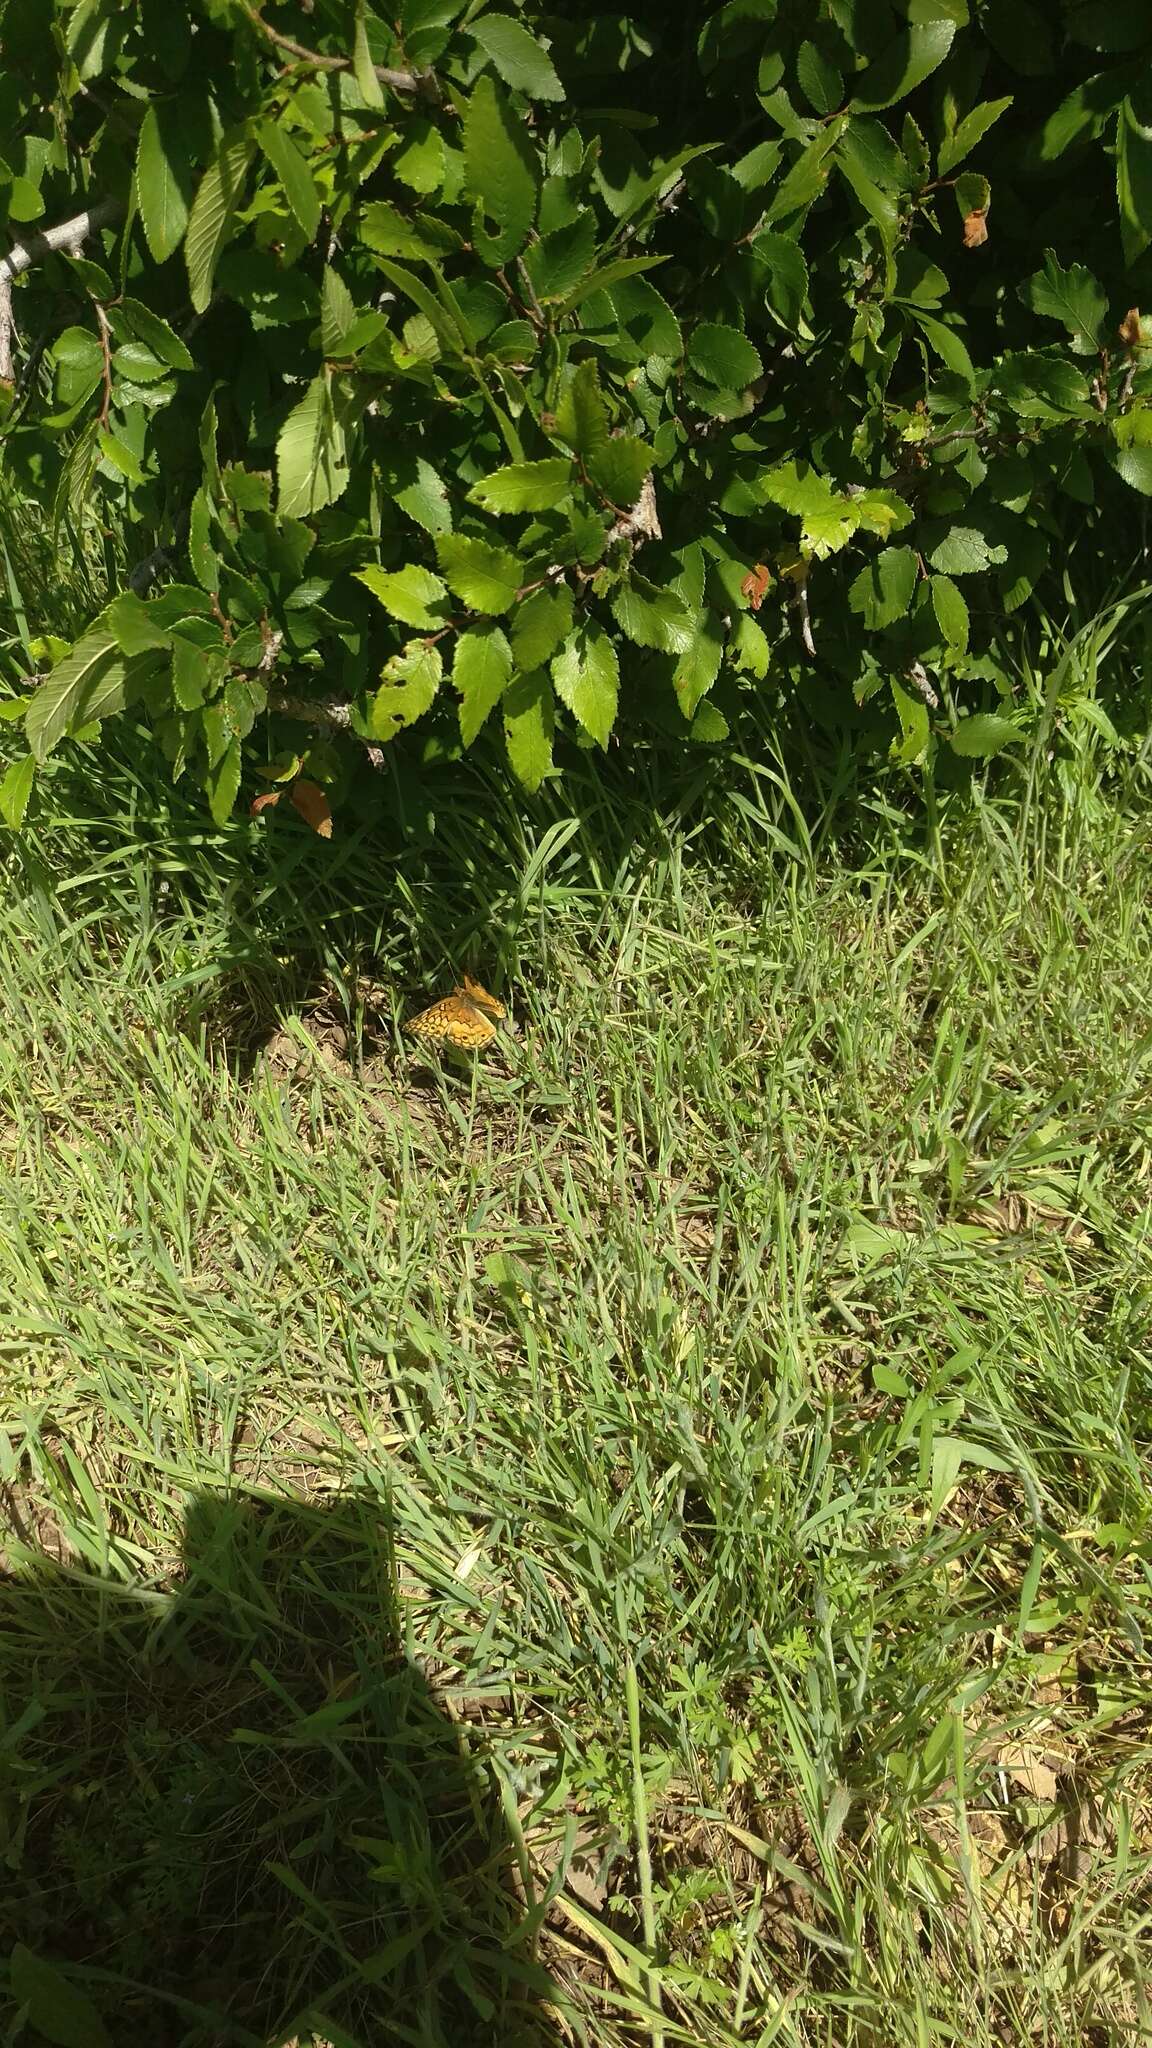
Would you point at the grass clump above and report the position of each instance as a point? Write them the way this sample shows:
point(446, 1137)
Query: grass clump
point(644, 1538)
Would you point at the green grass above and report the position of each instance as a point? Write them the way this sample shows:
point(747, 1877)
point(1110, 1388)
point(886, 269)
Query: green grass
point(643, 1539)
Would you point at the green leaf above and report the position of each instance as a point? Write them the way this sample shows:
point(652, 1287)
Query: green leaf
point(581, 415)
point(1134, 183)
point(363, 69)
point(781, 268)
point(619, 469)
point(501, 169)
point(724, 356)
point(652, 617)
point(408, 687)
point(487, 578)
point(521, 61)
point(882, 593)
point(156, 334)
point(222, 783)
point(524, 486)
point(586, 673)
point(311, 455)
point(529, 722)
point(1134, 465)
point(481, 672)
point(413, 595)
point(946, 343)
point(969, 132)
point(539, 624)
point(163, 182)
point(425, 498)
point(951, 611)
point(420, 161)
point(646, 320)
point(1044, 387)
point(213, 212)
point(384, 229)
point(965, 552)
point(16, 789)
point(205, 563)
point(296, 180)
point(709, 726)
point(983, 735)
point(820, 82)
point(910, 58)
point(60, 703)
point(557, 262)
point(698, 666)
point(915, 731)
point(1072, 296)
point(337, 313)
point(130, 621)
point(57, 2008)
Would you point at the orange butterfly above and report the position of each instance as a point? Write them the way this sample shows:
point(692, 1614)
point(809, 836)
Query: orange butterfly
point(466, 1019)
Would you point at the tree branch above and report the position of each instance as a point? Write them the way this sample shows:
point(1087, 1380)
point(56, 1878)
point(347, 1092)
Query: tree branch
point(326, 714)
point(70, 235)
point(400, 81)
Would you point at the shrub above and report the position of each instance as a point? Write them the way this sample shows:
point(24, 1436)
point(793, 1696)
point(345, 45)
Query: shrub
point(563, 370)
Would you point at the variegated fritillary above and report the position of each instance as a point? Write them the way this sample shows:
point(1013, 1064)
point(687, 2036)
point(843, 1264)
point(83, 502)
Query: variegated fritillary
point(466, 1019)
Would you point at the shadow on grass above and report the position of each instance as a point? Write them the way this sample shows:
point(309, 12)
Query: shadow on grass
point(237, 1815)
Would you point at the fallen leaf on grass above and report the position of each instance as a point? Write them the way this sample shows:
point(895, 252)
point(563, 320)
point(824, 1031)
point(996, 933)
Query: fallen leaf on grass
point(313, 806)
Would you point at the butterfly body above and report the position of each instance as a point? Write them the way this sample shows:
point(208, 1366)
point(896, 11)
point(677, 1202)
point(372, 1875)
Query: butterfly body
point(466, 1020)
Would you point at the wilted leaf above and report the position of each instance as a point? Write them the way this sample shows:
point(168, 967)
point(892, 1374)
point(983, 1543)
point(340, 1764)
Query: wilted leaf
point(309, 799)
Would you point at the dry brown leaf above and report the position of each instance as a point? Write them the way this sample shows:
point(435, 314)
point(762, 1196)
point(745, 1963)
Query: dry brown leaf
point(262, 802)
point(1030, 1769)
point(1129, 329)
point(313, 807)
point(755, 584)
point(975, 228)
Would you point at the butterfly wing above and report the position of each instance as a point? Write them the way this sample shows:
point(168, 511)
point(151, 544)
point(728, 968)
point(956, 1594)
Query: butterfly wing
point(478, 994)
point(455, 1020)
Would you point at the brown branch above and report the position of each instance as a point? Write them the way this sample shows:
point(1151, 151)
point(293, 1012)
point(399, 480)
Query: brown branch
point(400, 81)
point(69, 235)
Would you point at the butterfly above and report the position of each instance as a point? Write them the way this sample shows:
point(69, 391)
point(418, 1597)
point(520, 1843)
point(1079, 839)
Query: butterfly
point(466, 1019)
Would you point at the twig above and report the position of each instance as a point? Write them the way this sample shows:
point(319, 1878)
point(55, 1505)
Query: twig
point(400, 81)
point(106, 350)
point(327, 714)
point(70, 235)
point(919, 679)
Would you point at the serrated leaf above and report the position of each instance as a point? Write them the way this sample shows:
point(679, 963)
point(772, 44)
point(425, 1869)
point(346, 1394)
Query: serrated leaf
point(60, 704)
point(487, 578)
point(420, 161)
point(363, 69)
point(337, 313)
point(529, 722)
point(163, 183)
point(16, 789)
point(915, 729)
point(413, 595)
point(425, 499)
point(222, 783)
point(984, 734)
point(652, 617)
point(883, 591)
point(1072, 296)
point(57, 2008)
point(213, 212)
point(647, 321)
point(619, 469)
point(969, 132)
point(819, 80)
point(1134, 465)
point(951, 611)
point(129, 619)
point(909, 59)
point(780, 263)
point(698, 666)
point(557, 262)
point(539, 624)
point(407, 690)
point(586, 673)
point(296, 180)
point(581, 415)
point(965, 552)
point(524, 486)
point(724, 356)
point(501, 169)
point(521, 60)
point(205, 562)
point(1044, 387)
point(481, 672)
point(156, 334)
point(311, 455)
